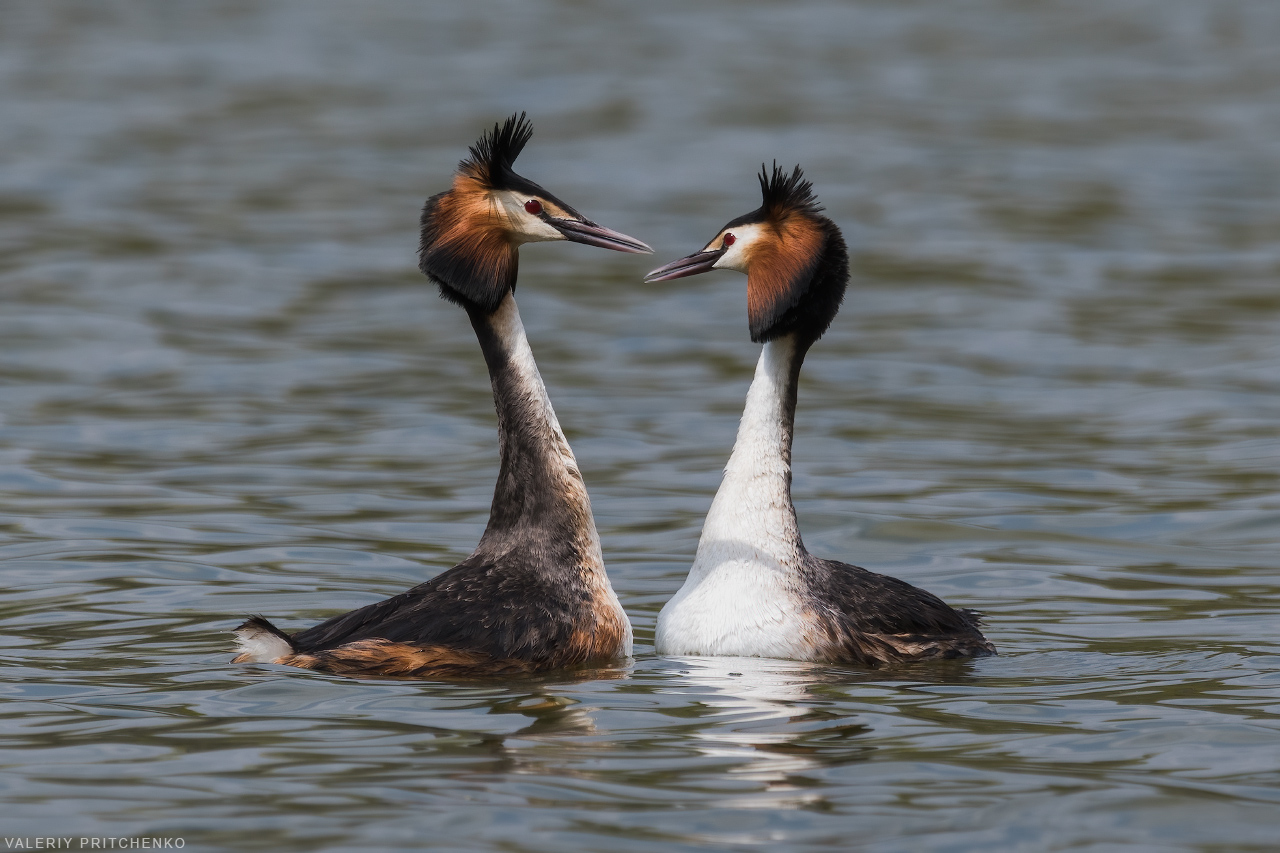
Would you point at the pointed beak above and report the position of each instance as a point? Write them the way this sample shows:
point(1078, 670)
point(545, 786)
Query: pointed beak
point(585, 231)
point(698, 262)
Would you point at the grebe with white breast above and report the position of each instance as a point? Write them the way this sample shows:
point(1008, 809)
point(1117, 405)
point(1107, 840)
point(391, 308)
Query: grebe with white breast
point(534, 594)
point(753, 589)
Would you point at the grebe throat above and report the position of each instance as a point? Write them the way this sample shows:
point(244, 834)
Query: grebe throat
point(752, 512)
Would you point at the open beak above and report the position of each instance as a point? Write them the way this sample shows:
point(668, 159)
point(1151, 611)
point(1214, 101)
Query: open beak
point(698, 262)
point(585, 231)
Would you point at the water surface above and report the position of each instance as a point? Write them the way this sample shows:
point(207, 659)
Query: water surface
point(1052, 395)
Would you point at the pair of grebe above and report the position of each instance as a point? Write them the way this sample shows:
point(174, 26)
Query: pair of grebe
point(534, 595)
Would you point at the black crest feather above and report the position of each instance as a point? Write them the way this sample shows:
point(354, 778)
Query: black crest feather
point(494, 154)
point(786, 194)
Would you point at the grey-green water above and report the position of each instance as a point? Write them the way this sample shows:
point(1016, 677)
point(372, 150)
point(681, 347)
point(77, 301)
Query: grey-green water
point(1053, 395)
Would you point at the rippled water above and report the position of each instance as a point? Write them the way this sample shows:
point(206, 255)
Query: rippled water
point(1053, 395)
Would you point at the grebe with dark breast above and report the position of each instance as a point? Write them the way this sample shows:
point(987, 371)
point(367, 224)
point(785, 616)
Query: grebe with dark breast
point(534, 594)
point(753, 589)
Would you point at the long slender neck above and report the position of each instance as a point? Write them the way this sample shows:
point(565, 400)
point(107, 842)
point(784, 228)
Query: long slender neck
point(540, 496)
point(752, 517)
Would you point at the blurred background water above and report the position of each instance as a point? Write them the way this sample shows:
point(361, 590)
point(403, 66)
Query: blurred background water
point(1052, 395)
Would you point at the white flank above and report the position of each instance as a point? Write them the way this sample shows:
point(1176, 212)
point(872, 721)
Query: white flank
point(742, 596)
point(256, 645)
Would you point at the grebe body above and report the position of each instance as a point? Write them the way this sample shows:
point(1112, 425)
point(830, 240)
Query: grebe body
point(534, 594)
point(753, 589)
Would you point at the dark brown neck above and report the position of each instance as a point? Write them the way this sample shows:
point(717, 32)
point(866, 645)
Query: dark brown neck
point(540, 496)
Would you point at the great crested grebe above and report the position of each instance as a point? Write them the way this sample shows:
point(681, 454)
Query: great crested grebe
point(753, 589)
point(534, 594)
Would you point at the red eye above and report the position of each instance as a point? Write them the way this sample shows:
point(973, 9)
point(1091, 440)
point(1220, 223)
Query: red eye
point(729, 240)
point(533, 206)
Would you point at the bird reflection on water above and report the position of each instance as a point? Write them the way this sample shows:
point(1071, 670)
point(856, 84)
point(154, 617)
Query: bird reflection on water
point(774, 722)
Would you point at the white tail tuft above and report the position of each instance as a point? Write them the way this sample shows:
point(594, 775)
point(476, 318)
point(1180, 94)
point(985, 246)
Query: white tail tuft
point(257, 644)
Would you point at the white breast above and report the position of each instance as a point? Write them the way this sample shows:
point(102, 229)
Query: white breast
point(744, 593)
point(740, 607)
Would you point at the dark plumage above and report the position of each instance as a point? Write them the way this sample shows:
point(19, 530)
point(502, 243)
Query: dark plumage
point(872, 619)
point(523, 593)
point(534, 594)
point(495, 153)
point(785, 195)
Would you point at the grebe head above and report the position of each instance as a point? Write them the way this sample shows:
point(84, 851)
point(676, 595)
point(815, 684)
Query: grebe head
point(795, 259)
point(472, 231)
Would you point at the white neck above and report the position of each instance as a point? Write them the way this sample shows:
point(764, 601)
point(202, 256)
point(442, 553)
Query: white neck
point(752, 517)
